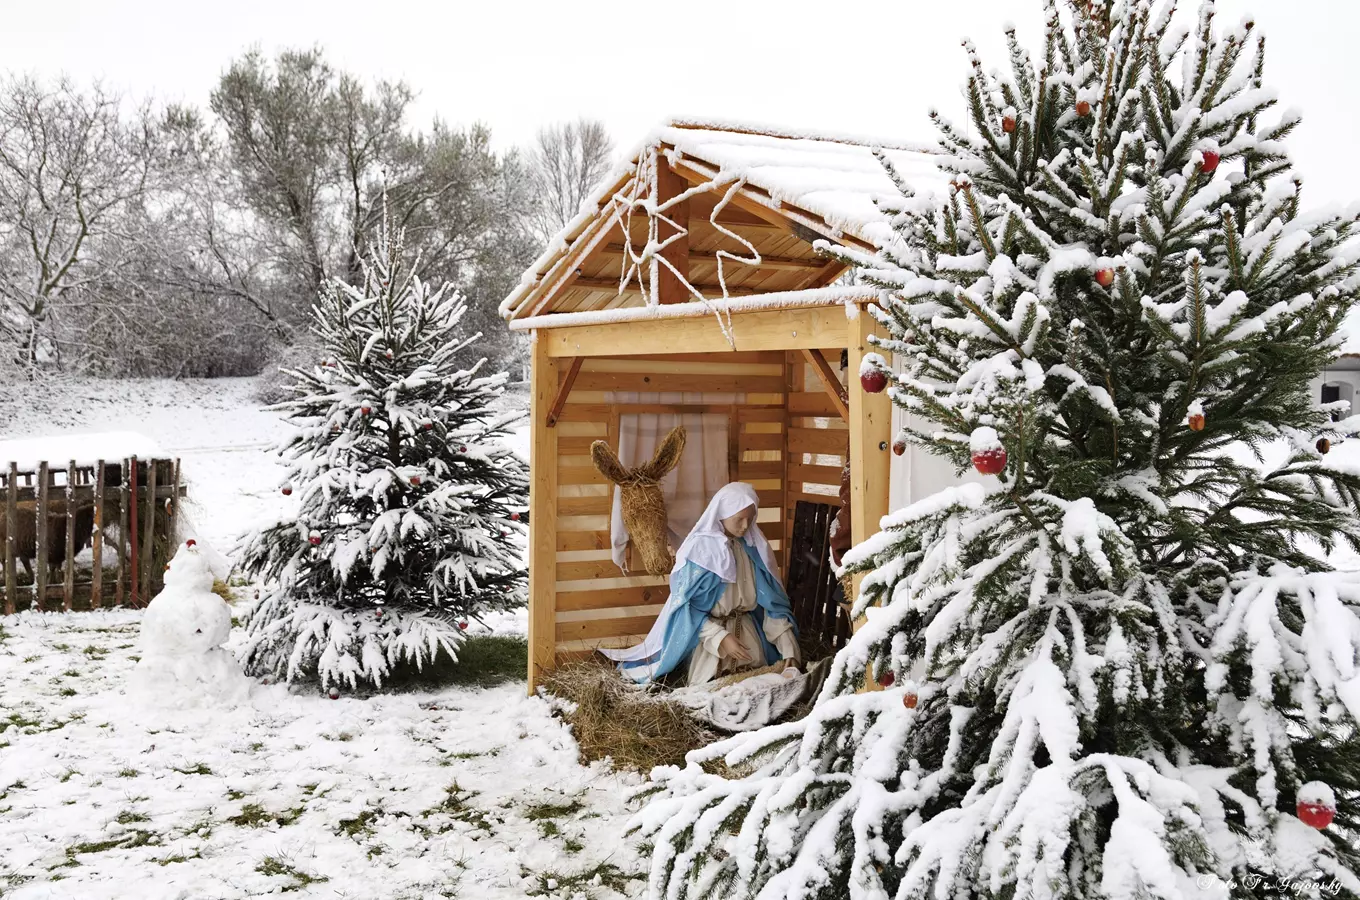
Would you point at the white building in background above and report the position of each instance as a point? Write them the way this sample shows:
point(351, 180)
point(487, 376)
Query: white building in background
point(919, 473)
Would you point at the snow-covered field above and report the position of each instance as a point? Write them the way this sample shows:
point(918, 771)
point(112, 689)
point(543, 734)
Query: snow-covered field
point(460, 792)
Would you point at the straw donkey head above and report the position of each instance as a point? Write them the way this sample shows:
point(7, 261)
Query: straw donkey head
point(644, 507)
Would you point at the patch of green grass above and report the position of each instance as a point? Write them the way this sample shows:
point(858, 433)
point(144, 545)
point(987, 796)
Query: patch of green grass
point(361, 824)
point(15, 786)
point(127, 841)
point(544, 811)
point(128, 817)
point(571, 845)
point(71, 673)
point(234, 794)
point(32, 659)
point(272, 865)
point(253, 815)
point(195, 769)
point(94, 652)
point(457, 806)
point(61, 647)
point(67, 692)
point(68, 775)
point(256, 746)
point(609, 875)
point(128, 773)
point(178, 858)
point(483, 661)
point(549, 829)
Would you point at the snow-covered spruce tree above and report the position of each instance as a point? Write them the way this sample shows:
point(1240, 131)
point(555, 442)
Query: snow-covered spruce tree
point(408, 503)
point(1120, 668)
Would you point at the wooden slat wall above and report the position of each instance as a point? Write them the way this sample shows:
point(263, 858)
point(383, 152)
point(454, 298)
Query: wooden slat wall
point(819, 441)
point(595, 604)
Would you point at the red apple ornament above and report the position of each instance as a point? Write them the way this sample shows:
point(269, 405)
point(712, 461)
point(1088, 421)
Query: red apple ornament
point(899, 446)
point(873, 381)
point(1317, 804)
point(191, 543)
point(909, 700)
point(989, 455)
point(1104, 277)
point(287, 490)
point(1210, 161)
point(1083, 108)
point(1323, 445)
point(462, 626)
point(1008, 124)
point(315, 538)
point(333, 694)
point(887, 678)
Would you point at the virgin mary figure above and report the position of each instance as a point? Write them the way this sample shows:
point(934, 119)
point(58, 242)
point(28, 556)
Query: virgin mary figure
point(727, 611)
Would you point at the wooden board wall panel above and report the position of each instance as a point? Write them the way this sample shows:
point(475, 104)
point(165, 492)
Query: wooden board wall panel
point(800, 473)
point(749, 471)
point(583, 506)
point(581, 523)
point(650, 381)
point(618, 597)
point(817, 441)
point(808, 404)
point(580, 475)
point(582, 540)
point(598, 628)
point(749, 441)
point(701, 364)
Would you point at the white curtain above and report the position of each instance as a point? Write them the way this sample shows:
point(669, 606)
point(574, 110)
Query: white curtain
point(703, 467)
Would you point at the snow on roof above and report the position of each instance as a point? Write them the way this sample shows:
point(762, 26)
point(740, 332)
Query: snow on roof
point(1350, 334)
point(834, 176)
point(86, 449)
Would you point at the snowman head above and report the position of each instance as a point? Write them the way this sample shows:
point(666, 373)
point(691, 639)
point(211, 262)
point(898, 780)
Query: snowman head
point(189, 570)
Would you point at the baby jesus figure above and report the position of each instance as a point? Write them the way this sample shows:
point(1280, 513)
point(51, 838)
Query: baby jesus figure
point(727, 610)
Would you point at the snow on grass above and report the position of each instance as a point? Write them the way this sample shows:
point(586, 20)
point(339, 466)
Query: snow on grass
point(455, 792)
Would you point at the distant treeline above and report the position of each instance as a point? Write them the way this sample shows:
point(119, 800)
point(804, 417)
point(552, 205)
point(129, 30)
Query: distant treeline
point(166, 240)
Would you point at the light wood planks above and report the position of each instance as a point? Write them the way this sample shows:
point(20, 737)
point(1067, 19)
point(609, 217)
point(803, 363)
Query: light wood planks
point(870, 437)
point(544, 384)
point(779, 329)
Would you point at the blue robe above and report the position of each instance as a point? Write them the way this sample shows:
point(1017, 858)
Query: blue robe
point(694, 591)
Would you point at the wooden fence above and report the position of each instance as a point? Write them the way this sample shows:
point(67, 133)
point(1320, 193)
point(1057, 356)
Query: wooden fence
point(53, 513)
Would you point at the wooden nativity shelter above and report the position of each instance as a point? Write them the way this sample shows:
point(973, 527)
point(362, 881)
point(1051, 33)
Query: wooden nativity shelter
point(691, 278)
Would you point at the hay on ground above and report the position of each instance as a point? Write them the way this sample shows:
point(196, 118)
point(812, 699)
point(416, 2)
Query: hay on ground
point(613, 719)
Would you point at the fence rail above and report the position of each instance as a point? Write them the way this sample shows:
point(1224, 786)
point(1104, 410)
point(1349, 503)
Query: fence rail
point(52, 514)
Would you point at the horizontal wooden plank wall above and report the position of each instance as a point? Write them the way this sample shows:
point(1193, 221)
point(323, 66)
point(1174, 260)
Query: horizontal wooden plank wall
point(819, 439)
point(596, 604)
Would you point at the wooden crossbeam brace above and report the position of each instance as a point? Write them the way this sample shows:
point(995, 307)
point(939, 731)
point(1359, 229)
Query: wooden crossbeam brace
point(561, 399)
point(833, 385)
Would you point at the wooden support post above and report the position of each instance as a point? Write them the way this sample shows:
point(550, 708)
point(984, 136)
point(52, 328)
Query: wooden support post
point(172, 511)
point(669, 288)
point(564, 391)
point(149, 532)
point(834, 389)
point(97, 540)
point(870, 437)
point(123, 504)
point(133, 596)
point(11, 523)
point(68, 588)
point(544, 386)
point(40, 536)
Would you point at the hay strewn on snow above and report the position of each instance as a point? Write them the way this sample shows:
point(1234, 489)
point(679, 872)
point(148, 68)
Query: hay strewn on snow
point(611, 718)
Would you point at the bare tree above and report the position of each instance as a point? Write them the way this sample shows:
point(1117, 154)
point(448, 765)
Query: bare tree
point(71, 166)
point(567, 162)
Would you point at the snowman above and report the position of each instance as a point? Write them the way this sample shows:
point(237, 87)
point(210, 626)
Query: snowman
point(183, 661)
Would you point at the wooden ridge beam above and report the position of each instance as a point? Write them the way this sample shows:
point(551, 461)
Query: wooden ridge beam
point(555, 411)
point(611, 285)
point(670, 285)
point(834, 389)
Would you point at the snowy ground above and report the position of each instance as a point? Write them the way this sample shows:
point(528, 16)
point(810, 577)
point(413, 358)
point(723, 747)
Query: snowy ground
point(459, 793)
point(472, 793)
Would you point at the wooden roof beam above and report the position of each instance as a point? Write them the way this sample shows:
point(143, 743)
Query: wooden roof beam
point(834, 389)
point(791, 263)
point(670, 285)
point(611, 285)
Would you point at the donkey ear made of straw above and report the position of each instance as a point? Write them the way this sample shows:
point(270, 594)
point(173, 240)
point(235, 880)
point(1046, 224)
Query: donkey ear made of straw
point(667, 455)
point(607, 461)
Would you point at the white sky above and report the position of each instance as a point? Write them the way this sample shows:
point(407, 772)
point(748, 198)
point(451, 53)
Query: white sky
point(851, 65)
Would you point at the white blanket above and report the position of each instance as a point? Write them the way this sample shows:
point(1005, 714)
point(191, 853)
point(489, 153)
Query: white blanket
point(745, 705)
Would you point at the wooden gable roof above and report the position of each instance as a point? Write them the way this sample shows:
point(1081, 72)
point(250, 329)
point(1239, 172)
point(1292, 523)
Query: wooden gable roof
point(734, 209)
